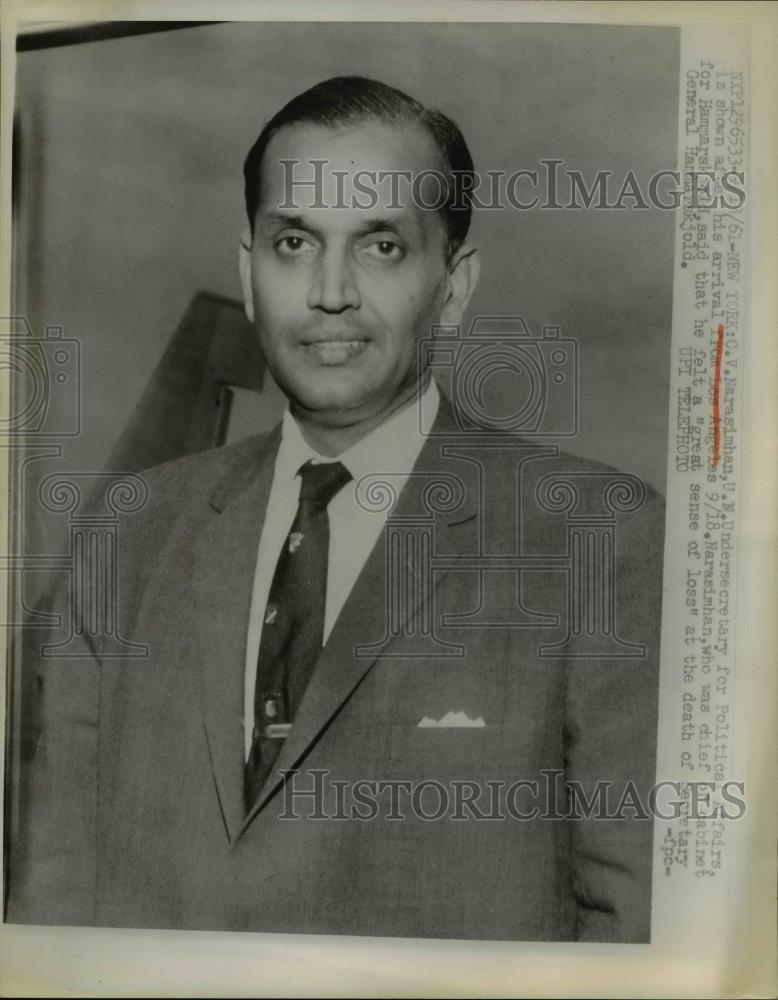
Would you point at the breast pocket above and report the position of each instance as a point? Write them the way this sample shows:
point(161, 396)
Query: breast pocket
point(452, 753)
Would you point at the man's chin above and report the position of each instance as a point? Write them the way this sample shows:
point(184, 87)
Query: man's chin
point(332, 405)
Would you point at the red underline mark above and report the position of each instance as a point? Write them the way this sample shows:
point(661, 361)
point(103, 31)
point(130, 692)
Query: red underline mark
point(716, 384)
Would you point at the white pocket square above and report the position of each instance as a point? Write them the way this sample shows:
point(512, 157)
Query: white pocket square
point(452, 720)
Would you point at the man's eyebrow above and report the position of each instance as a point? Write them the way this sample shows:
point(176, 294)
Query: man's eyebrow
point(282, 219)
point(399, 224)
point(393, 224)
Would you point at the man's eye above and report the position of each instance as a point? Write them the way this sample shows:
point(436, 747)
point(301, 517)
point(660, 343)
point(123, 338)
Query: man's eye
point(385, 250)
point(293, 246)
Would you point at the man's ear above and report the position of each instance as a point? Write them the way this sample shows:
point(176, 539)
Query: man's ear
point(463, 271)
point(244, 265)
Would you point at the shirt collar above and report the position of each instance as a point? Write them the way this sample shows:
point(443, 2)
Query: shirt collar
point(392, 447)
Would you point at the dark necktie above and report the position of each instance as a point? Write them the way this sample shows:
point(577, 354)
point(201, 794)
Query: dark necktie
point(293, 628)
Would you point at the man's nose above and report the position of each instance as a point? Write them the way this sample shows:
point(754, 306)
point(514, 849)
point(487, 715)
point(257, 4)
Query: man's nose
point(334, 287)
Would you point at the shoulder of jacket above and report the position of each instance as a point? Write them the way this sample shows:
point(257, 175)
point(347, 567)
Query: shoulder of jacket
point(209, 466)
point(587, 471)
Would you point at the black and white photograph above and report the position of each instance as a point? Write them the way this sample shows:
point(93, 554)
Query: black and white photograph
point(344, 397)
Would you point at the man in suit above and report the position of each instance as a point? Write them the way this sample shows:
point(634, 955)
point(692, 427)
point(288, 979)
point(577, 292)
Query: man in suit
point(401, 675)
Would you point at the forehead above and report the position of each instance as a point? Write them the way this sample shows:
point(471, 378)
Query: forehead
point(352, 153)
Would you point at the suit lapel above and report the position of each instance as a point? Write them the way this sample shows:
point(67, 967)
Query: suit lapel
point(225, 562)
point(341, 667)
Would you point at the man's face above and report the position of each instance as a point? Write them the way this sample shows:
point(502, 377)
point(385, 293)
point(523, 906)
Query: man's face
point(341, 295)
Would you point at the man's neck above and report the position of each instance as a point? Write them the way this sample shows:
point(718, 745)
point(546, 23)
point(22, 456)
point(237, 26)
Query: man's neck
point(334, 440)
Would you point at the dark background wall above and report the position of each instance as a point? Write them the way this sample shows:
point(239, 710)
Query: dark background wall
point(130, 198)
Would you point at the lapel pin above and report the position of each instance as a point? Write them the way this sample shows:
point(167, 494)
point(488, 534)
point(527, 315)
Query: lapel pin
point(271, 705)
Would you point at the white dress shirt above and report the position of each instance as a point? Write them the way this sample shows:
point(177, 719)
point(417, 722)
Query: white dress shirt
point(391, 448)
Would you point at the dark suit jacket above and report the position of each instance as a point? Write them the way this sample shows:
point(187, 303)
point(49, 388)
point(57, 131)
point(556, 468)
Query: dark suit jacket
point(134, 810)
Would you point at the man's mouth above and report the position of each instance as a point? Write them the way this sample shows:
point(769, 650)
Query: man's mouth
point(334, 348)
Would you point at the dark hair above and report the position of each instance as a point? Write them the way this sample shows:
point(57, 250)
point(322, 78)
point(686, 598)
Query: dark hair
point(354, 99)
